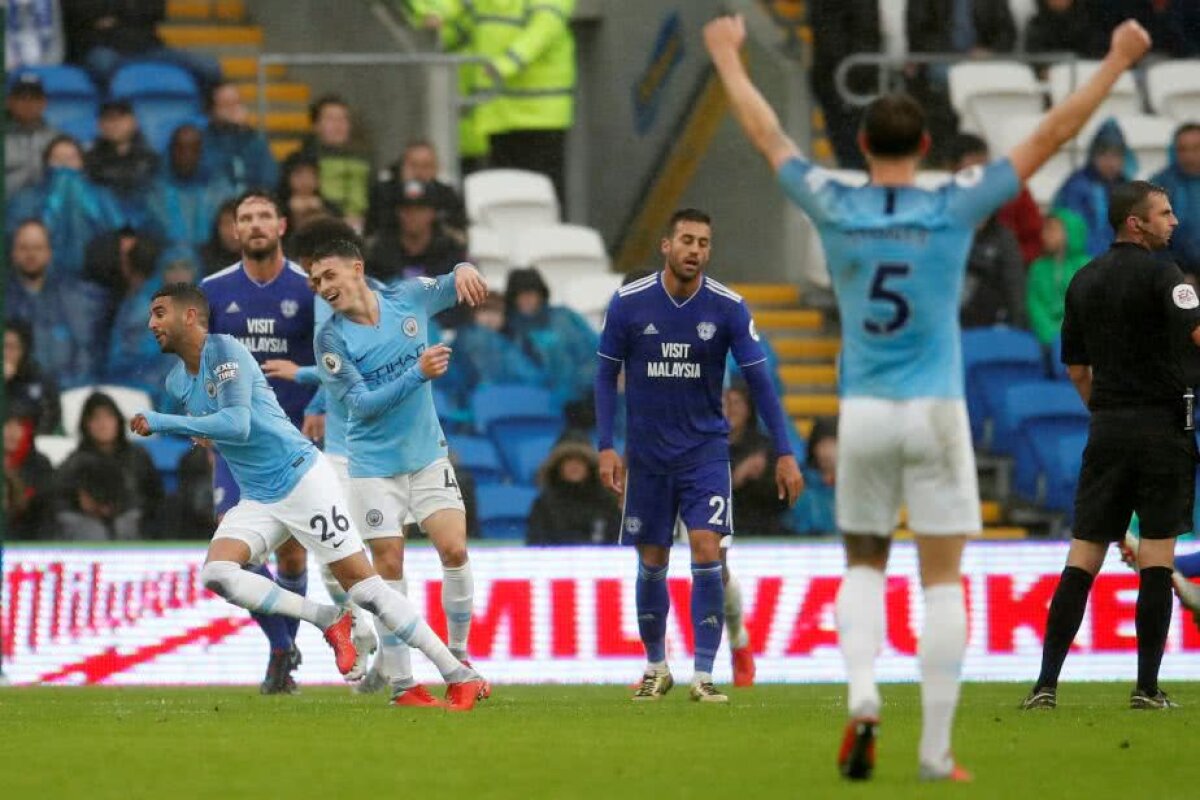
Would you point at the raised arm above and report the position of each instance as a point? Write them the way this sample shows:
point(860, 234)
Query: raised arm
point(724, 37)
point(1129, 43)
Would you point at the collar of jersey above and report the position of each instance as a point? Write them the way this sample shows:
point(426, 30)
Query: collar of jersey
point(675, 302)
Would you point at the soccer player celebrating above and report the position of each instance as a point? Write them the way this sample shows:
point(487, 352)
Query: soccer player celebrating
point(672, 332)
point(897, 254)
point(264, 301)
point(398, 458)
point(287, 489)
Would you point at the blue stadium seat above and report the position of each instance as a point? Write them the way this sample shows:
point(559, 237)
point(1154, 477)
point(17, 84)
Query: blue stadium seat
point(1039, 414)
point(1062, 476)
point(504, 510)
point(73, 101)
point(1058, 370)
point(478, 456)
point(511, 411)
point(453, 419)
point(993, 359)
point(525, 456)
point(163, 96)
point(165, 452)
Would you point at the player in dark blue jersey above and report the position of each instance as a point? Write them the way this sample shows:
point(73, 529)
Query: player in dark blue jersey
point(671, 332)
point(897, 255)
point(265, 303)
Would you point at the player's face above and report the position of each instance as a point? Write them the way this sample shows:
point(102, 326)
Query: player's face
point(259, 228)
point(338, 280)
point(1159, 222)
point(166, 323)
point(688, 249)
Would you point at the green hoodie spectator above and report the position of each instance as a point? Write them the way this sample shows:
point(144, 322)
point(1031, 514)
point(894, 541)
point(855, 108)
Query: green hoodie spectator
point(1064, 252)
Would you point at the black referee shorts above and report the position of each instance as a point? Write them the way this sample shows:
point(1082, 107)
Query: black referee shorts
point(1136, 460)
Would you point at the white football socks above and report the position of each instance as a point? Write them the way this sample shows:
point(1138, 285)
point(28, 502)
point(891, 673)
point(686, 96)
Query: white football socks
point(253, 592)
point(393, 660)
point(336, 593)
point(861, 622)
point(400, 617)
point(943, 643)
point(458, 601)
point(735, 624)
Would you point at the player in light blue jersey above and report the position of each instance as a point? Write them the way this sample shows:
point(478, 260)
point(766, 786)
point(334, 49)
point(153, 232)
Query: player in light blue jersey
point(287, 490)
point(398, 459)
point(897, 254)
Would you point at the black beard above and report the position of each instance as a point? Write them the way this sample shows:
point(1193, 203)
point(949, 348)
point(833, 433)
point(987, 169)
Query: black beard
point(262, 252)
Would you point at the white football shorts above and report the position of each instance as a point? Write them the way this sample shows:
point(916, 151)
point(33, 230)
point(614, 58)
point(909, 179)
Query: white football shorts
point(382, 505)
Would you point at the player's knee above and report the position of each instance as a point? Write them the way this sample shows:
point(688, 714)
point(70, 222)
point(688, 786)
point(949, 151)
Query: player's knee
point(453, 555)
point(388, 557)
point(218, 576)
point(867, 551)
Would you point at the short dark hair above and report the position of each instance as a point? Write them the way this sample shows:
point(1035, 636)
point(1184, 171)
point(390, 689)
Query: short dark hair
point(258, 193)
point(1185, 128)
point(686, 215)
point(893, 126)
point(316, 232)
point(186, 294)
point(967, 144)
point(337, 248)
point(314, 111)
point(1129, 200)
point(55, 142)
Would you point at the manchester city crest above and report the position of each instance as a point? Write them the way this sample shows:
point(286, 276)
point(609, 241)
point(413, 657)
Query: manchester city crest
point(289, 308)
point(374, 518)
point(706, 331)
point(409, 326)
point(332, 362)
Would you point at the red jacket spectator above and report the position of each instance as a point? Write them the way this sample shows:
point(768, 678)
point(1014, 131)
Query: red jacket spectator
point(1023, 217)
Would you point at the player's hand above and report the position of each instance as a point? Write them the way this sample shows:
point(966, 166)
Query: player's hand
point(724, 35)
point(434, 362)
point(1130, 42)
point(612, 471)
point(313, 427)
point(280, 368)
point(788, 479)
point(469, 284)
point(140, 425)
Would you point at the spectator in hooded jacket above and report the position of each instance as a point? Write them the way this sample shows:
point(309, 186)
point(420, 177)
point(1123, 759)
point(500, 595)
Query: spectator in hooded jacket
point(993, 290)
point(1064, 239)
point(134, 358)
point(232, 149)
point(573, 507)
point(1109, 163)
point(122, 160)
point(28, 478)
point(482, 354)
point(25, 384)
point(66, 317)
point(184, 198)
point(75, 210)
point(26, 132)
point(345, 174)
point(814, 511)
point(87, 503)
point(1181, 179)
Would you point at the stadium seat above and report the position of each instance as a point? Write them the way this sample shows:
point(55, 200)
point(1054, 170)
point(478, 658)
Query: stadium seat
point(984, 91)
point(994, 358)
point(1066, 76)
point(561, 252)
point(504, 510)
point(55, 448)
point(1150, 139)
point(130, 401)
point(477, 455)
point(589, 294)
point(72, 99)
point(452, 417)
point(1172, 89)
point(163, 96)
point(513, 410)
point(490, 252)
point(1058, 370)
point(1008, 132)
point(165, 452)
point(510, 199)
point(1036, 415)
point(525, 455)
point(1062, 473)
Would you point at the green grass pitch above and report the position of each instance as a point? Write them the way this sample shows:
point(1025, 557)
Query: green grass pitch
point(575, 742)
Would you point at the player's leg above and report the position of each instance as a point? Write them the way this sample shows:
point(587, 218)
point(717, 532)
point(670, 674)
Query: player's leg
point(648, 521)
point(365, 641)
point(740, 651)
point(291, 574)
point(438, 506)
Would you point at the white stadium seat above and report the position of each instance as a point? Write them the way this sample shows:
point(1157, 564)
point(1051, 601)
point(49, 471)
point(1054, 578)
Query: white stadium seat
point(564, 249)
point(1044, 183)
point(1122, 100)
point(588, 294)
point(1150, 139)
point(129, 401)
point(1173, 90)
point(507, 200)
point(55, 448)
point(984, 91)
point(490, 252)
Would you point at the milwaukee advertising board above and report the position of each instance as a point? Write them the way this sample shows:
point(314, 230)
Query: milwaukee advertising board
point(76, 615)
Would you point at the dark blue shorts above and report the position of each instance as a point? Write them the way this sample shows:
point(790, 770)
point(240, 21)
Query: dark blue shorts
point(225, 489)
point(700, 496)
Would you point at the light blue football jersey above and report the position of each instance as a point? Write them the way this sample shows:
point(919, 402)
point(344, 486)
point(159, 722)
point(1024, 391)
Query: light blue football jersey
point(390, 429)
point(269, 462)
point(897, 256)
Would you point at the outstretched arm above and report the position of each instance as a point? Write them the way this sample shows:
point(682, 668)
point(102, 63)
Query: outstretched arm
point(1129, 43)
point(724, 37)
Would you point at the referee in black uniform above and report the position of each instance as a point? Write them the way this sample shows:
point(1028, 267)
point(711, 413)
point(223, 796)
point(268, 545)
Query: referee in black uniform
point(1130, 322)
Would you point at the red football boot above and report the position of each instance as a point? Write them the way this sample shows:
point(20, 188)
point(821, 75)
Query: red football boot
point(340, 637)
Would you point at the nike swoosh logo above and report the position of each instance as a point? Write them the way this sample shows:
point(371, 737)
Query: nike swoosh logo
point(336, 545)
